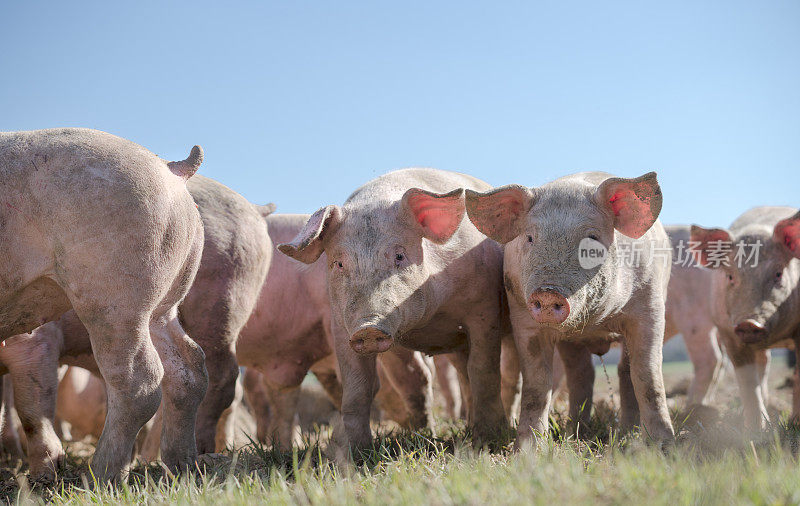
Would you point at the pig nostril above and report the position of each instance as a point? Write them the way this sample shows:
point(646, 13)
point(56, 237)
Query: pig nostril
point(359, 342)
point(557, 307)
point(537, 305)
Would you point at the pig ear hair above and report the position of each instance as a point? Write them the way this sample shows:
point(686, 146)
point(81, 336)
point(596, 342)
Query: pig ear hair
point(706, 238)
point(498, 213)
point(787, 232)
point(308, 245)
point(635, 202)
point(439, 214)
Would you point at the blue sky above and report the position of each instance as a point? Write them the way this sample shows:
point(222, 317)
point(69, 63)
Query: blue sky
point(299, 103)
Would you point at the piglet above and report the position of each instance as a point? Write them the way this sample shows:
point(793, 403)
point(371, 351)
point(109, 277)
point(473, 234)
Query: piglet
point(586, 263)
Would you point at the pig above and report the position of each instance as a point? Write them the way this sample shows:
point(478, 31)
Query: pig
point(388, 401)
point(688, 312)
point(99, 224)
point(9, 433)
point(289, 333)
point(235, 257)
point(259, 393)
point(404, 269)
point(454, 384)
point(450, 388)
point(81, 402)
point(558, 302)
point(755, 300)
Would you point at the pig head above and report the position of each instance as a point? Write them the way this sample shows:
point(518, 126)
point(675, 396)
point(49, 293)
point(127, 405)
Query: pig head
point(378, 263)
point(551, 230)
point(756, 296)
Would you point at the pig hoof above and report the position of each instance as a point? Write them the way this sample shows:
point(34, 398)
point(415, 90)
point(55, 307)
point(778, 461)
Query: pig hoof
point(666, 446)
point(45, 473)
point(493, 440)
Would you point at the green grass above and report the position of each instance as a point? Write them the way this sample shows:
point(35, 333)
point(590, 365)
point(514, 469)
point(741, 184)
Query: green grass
point(711, 463)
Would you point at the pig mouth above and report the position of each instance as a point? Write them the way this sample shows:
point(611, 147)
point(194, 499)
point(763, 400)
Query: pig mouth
point(370, 339)
point(751, 331)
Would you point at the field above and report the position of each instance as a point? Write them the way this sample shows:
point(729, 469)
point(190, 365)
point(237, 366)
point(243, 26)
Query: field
point(712, 462)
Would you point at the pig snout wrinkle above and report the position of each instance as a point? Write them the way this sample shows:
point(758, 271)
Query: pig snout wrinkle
point(547, 305)
point(370, 339)
point(751, 331)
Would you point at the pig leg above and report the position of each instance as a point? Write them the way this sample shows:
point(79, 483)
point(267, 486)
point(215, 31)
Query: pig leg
point(325, 371)
point(273, 394)
point(763, 359)
point(755, 411)
point(459, 361)
point(629, 407)
point(743, 359)
point(489, 422)
point(558, 373)
point(510, 378)
point(222, 374)
point(213, 319)
point(132, 371)
point(388, 401)
point(447, 378)
point(332, 386)
point(795, 420)
point(536, 362)
point(184, 385)
point(36, 409)
point(645, 344)
point(411, 378)
point(9, 434)
point(580, 381)
point(150, 446)
point(704, 352)
point(226, 426)
point(33, 369)
point(283, 406)
point(256, 396)
point(359, 385)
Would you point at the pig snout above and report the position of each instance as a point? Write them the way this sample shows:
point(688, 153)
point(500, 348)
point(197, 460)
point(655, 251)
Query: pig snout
point(370, 339)
point(751, 331)
point(547, 305)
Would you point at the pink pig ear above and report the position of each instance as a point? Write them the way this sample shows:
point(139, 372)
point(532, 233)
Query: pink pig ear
point(787, 232)
point(707, 241)
point(439, 214)
point(635, 202)
point(499, 213)
point(308, 245)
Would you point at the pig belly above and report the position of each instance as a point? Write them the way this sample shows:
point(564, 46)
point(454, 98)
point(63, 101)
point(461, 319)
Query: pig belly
point(597, 342)
point(36, 304)
point(442, 334)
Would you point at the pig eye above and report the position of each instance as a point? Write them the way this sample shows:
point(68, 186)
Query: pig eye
point(593, 237)
point(778, 275)
point(336, 264)
point(400, 257)
point(730, 278)
point(530, 238)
